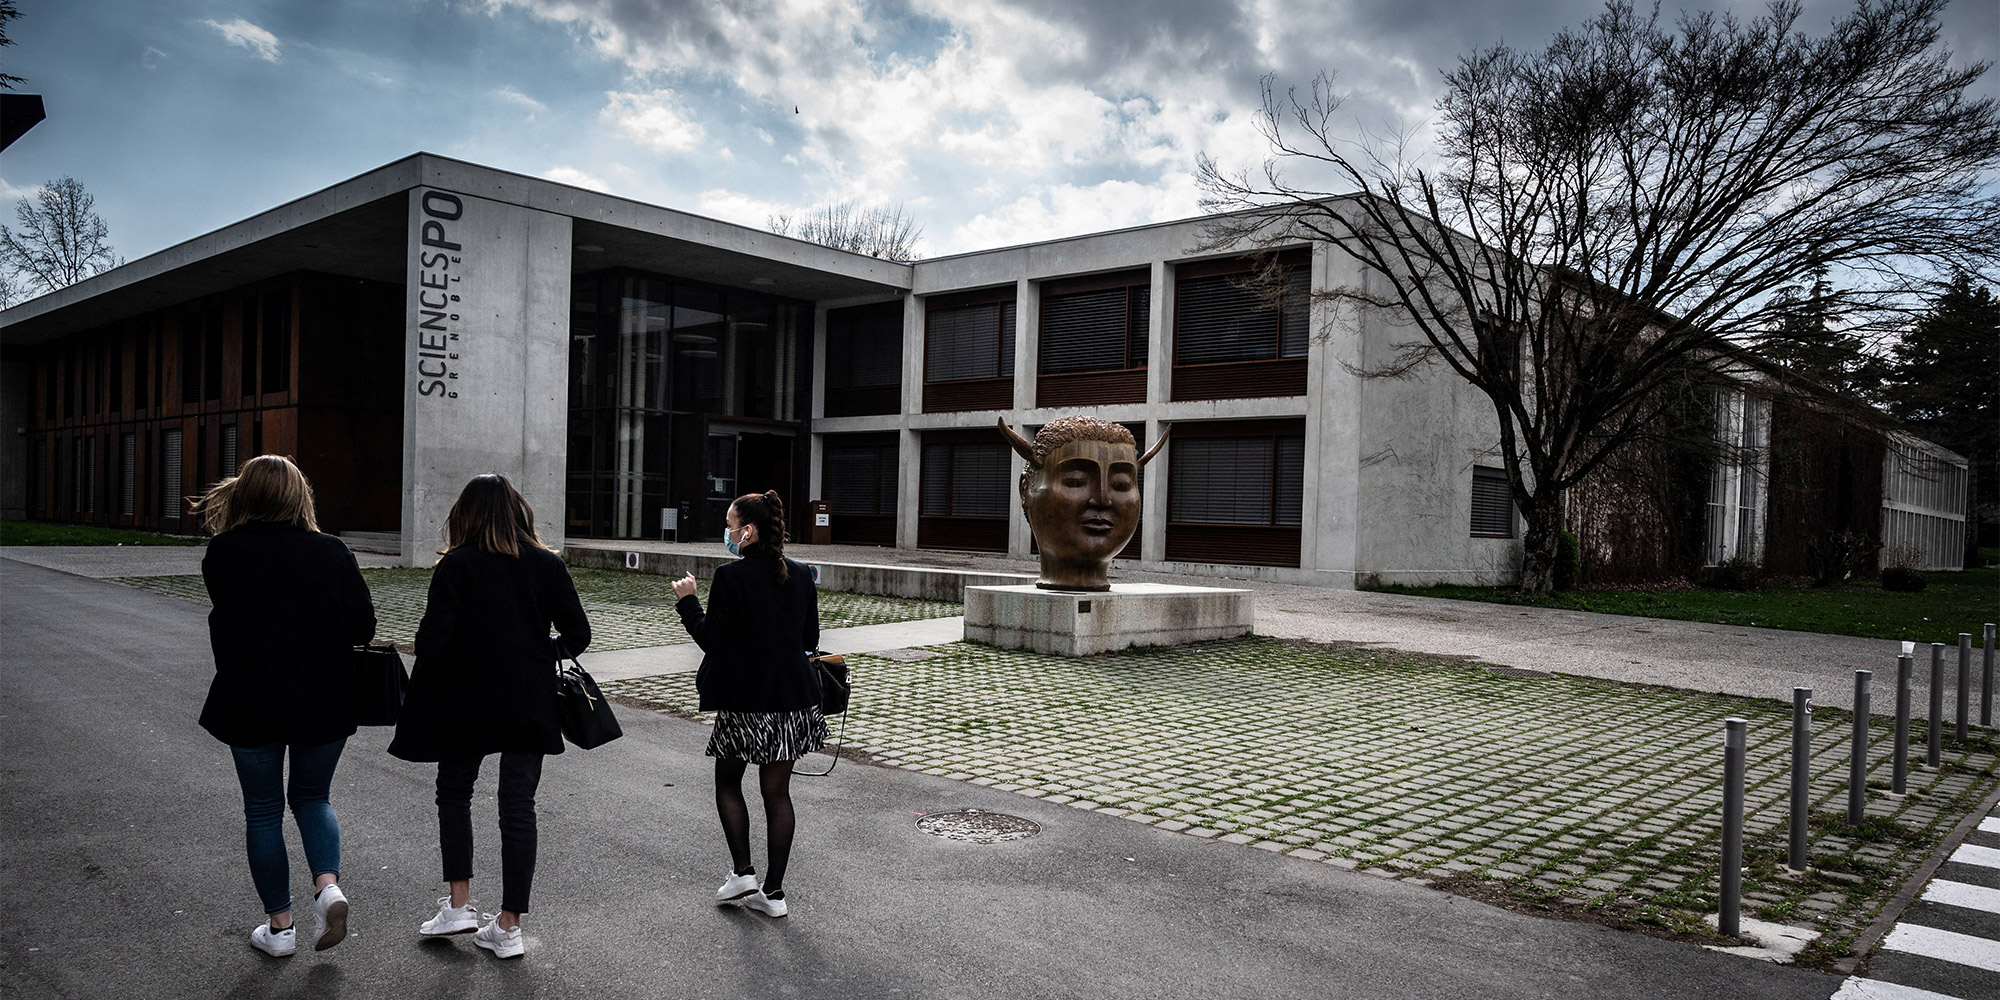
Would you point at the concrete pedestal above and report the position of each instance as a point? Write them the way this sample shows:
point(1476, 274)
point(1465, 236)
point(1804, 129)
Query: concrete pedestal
point(1072, 623)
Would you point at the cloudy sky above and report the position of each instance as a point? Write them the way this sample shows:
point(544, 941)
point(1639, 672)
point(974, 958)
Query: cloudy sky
point(993, 121)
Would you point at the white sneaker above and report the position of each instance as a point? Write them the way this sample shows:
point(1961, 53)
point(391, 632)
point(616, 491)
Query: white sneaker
point(330, 906)
point(277, 944)
point(737, 887)
point(765, 905)
point(451, 919)
point(503, 944)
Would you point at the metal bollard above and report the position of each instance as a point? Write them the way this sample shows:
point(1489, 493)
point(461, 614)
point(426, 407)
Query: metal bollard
point(1986, 681)
point(1935, 723)
point(1964, 685)
point(1729, 921)
point(1900, 771)
point(1857, 766)
point(1801, 774)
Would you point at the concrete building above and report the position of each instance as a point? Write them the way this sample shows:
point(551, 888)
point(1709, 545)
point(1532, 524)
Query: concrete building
point(632, 368)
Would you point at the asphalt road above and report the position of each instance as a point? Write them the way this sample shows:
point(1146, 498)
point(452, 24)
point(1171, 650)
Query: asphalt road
point(122, 873)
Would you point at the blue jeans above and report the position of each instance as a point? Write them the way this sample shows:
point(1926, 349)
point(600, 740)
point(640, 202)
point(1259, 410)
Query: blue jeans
point(261, 771)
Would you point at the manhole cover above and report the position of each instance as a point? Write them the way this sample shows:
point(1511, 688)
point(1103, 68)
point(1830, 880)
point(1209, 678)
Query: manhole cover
point(1519, 672)
point(978, 827)
point(905, 655)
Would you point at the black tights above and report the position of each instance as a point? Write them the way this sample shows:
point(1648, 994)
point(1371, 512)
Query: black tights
point(775, 781)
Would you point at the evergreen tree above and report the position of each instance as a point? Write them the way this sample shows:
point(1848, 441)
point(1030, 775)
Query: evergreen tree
point(1943, 381)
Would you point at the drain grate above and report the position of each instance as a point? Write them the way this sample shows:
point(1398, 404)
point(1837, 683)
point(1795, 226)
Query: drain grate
point(978, 826)
point(1519, 672)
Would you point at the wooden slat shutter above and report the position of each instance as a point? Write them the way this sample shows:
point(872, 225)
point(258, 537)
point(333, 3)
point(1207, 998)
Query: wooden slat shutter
point(1492, 503)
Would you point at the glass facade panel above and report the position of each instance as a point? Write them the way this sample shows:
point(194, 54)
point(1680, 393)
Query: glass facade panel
point(651, 359)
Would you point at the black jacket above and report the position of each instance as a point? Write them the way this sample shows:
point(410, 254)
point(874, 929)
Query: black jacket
point(485, 677)
point(290, 606)
point(754, 637)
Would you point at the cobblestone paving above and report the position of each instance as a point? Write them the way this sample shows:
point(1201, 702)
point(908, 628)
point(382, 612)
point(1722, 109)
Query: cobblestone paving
point(626, 610)
point(1599, 798)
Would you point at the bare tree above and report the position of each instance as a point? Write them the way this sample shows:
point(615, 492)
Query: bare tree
point(61, 240)
point(8, 12)
point(1614, 215)
point(875, 230)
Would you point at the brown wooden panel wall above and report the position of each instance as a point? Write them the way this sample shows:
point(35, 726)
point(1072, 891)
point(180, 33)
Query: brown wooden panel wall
point(1240, 379)
point(976, 394)
point(1252, 545)
point(1091, 388)
point(979, 534)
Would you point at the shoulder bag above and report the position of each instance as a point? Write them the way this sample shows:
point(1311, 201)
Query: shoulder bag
point(831, 669)
point(379, 679)
point(585, 716)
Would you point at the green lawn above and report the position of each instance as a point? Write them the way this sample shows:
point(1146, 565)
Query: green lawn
point(39, 533)
point(1953, 603)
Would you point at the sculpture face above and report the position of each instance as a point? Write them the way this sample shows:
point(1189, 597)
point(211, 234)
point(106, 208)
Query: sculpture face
point(1083, 505)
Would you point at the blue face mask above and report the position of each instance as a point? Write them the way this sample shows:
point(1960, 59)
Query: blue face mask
point(730, 543)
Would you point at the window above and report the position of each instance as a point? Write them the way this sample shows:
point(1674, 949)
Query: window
point(90, 474)
point(864, 360)
point(116, 394)
point(965, 479)
point(1492, 503)
point(1737, 487)
point(860, 479)
point(127, 463)
point(276, 332)
point(228, 451)
point(1237, 480)
point(969, 342)
point(1221, 318)
point(1095, 328)
point(1236, 492)
point(76, 475)
point(170, 475)
point(211, 319)
point(191, 357)
point(247, 313)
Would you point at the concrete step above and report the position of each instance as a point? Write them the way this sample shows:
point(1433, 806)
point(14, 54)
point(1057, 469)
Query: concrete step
point(384, 542)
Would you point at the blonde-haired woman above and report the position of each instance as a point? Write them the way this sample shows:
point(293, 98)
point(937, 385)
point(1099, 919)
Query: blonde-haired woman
point(485, 683)
point(290, 606)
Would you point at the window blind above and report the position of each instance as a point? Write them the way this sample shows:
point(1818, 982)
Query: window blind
point(1224, 480)
point(860, 479)
point(1492, 503)
point(127, 465)
point(1218, 318)
point(1085, 331)
point(969, 342)
point(170, 474)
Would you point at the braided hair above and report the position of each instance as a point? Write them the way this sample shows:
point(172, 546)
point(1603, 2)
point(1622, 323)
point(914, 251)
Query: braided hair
point(766, 512)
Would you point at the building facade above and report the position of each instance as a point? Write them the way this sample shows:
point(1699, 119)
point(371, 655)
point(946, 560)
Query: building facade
point(633, 368)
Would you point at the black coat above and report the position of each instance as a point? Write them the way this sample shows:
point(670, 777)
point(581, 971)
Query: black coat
point(485, 677)
point(754, 637)
point(290, 606)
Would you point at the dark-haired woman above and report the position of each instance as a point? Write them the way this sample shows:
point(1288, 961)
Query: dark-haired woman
point(484, 684)
point(290, 606)
point(762, 617)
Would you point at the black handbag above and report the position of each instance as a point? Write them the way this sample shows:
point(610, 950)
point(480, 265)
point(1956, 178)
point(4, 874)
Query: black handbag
point(379, 679)
point(833, 686)
point(585, 716)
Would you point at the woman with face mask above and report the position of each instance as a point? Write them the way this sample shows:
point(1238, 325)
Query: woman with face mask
point(762, 617)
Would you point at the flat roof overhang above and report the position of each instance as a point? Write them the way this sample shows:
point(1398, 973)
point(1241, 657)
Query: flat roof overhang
point(359, 228)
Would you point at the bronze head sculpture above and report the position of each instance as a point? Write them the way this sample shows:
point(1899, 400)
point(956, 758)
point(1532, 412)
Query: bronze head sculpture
point(1080, 493)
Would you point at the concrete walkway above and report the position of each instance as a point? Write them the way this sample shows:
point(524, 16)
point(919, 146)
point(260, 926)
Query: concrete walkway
point(1753, 662)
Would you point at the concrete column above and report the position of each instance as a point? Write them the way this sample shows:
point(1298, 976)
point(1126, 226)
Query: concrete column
point(487, 365)
point(1027, 345)
point(816, 407)
point(909, 449)
point(1332, 541)
point(1159, 372)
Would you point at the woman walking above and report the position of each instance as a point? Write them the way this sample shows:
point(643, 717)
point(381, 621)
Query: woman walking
point(290, 606)
point(484, 684)
point(763, 615)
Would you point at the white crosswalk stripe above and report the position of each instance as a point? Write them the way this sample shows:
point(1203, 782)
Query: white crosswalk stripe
point(1973, 854)
point(1972, 897)
point(1951, 946)
point(1990, 824)
point(1856, 988)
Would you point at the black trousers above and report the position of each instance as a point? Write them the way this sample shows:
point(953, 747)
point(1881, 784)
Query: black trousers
point(520, 775)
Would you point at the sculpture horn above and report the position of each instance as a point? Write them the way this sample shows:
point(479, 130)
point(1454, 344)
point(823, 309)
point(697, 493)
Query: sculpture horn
point(1020, 444)
point(1155, 449)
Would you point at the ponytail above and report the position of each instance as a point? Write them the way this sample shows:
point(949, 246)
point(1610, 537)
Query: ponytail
point(765, 511)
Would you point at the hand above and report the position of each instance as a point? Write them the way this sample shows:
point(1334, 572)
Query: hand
point(684, 586)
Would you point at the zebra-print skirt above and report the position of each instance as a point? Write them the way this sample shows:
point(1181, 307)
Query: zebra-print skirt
point(767, 737)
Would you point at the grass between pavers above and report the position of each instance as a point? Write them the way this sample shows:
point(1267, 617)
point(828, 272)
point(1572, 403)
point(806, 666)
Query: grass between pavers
point(41, 533)
point(1952, 603)
point(1574, 796)
point(626, 610)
